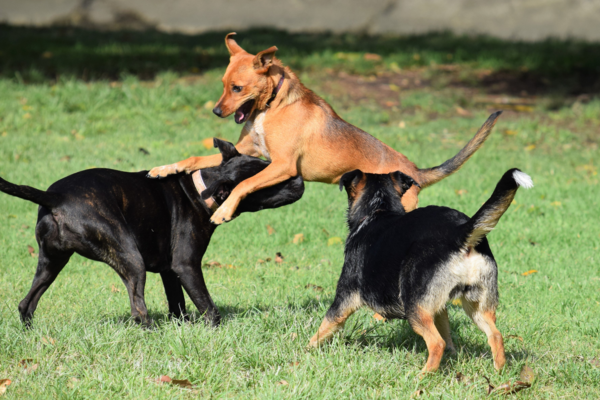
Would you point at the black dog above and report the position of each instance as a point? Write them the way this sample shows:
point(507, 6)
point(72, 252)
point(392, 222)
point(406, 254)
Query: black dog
point(409, 265)
point(136, 225)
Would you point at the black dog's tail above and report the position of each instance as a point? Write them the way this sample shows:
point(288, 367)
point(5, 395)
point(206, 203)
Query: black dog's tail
point(429, 176)
point(46, 199)
point(489, 214)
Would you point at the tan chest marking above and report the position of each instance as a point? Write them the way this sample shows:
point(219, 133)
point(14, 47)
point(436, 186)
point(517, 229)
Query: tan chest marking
point(257, 133)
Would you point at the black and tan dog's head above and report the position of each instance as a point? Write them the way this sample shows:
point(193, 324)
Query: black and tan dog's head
point(246, 83)
point(369, 193)
point(235, 168)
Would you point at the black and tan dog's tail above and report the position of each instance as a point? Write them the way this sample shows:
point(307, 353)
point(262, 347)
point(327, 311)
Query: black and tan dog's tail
point(46, 199)
point(429, 176)
point(490, 213)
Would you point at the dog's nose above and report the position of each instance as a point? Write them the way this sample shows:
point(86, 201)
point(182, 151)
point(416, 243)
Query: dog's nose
point(218, 112)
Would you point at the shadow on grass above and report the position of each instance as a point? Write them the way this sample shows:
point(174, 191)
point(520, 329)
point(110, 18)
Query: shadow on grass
point(47, 54)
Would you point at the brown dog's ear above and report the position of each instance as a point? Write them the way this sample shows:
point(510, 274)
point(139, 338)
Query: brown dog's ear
point(404, 181)
point(350, 179)
point(232, 45)
point(227, 149)
point(264, 60)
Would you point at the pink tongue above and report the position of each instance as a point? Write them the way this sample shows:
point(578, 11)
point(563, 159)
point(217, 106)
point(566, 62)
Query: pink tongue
point(239, 116)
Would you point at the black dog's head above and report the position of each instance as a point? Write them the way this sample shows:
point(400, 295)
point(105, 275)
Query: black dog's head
point(236, 168)
point(369, 193)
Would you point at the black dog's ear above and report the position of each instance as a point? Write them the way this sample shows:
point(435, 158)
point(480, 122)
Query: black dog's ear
point(219, 190)
point(350, 179)
point(227, 149)
point(404, 181)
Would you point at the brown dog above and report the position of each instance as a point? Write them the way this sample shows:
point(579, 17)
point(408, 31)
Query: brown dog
point(301, 134)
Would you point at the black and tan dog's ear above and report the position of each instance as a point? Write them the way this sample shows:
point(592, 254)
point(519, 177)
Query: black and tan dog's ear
point(264, 60)
point(227, 149)
point(232, 45)
point(404, 181)
point(219, 190)
point(350, 179)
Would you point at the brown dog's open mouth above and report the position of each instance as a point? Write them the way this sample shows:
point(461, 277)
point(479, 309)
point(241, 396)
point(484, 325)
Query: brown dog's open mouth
point(243, 113)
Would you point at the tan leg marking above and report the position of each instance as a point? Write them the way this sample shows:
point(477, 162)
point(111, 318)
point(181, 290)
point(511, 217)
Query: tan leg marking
point(443, 326)
point(410, 199)
point(486, 321)
point(423, 324)
point(327, 330)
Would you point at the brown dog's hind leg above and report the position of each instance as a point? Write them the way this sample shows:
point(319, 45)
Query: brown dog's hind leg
point(422, 322)
point(486, 321)
point(443, 326)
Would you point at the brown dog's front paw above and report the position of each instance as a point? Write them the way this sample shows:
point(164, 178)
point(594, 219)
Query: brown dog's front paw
point(223, 214)
point(162, 172)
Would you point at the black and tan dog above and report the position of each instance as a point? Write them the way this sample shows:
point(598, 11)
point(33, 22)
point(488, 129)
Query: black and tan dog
point(409, 265)
point(136, 225)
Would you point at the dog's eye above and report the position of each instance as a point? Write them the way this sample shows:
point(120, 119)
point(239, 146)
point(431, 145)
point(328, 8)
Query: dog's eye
point(237, 89)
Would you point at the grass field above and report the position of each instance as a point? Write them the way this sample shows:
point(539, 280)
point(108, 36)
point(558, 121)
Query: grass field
point(73, 100)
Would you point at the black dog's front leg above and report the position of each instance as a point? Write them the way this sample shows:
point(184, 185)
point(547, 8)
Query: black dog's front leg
point(193, 282)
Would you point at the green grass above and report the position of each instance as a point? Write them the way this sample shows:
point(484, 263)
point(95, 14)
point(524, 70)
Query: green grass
point(82, 338)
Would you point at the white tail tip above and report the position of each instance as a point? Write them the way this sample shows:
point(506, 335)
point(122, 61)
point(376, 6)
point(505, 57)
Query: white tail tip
point(523, 179)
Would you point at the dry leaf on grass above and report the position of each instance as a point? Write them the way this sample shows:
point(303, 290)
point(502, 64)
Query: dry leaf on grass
point(460, 378)
point(372, 57)
point(294, 336)
point(114, 289)
point(208, 143)
point(65, 158)
point(416, 393)
point(298, 238)
point(378, 317)
point(314, 287)
point(28, 365)
point(527, 375)
point(283, 383)
point(209, 105)
point(279, 257)
point(294, 363)
point(48, 340)
point(213, 264)
point(462, 112)
point(3, 385)
point(460, 192)
point(510, 132)
point(530, 147)
point(507, 387)
point(270, 230)
point(531, 271)
point(514, 337)
point(31, 251)
point(334, 240)
point(184, 383)
point(595, 362)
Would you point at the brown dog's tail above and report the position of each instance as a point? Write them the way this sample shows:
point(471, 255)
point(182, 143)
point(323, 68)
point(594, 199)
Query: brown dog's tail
point(429, 176)
point(489, 214)
point(47, 199)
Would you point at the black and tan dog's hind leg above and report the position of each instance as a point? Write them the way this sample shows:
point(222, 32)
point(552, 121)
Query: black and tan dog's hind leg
point(344, 305)
point(423, 323)
point(442, 323)
point(486, 321)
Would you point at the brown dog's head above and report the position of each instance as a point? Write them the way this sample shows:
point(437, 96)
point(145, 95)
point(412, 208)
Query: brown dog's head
point(247, 85)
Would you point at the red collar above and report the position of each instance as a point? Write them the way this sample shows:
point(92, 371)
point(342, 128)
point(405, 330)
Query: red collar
point(277, 89)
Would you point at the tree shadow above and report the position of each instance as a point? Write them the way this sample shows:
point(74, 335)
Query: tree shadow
point(29, 54)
